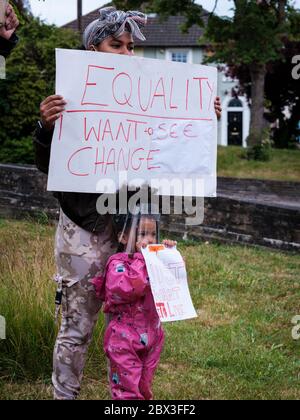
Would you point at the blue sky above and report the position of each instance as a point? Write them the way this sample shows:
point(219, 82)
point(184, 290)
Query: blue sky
point(60, 12)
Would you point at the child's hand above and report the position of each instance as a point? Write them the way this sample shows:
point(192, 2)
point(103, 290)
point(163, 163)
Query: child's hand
point(141, 245)
point(169, 244)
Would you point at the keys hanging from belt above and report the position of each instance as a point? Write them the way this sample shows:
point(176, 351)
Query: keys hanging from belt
point(58, 296)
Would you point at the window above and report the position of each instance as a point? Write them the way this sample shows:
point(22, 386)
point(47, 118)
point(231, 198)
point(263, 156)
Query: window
point(235, 103)
point(180, 57)
point(228, 79)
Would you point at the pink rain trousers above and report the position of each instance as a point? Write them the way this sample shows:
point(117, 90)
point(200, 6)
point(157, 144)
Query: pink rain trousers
point(134, 338)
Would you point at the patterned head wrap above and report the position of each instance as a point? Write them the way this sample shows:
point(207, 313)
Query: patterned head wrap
point(114, 22)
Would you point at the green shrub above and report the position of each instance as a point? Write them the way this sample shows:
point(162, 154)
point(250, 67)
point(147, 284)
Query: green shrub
point(262, 150)
point(30, 78)
point(260, 153)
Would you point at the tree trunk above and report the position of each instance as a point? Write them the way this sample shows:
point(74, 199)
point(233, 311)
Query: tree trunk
point(23, 7)
point(258, 75)
point(281, 10)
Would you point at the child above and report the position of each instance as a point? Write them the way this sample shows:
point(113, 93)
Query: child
point(134, 338)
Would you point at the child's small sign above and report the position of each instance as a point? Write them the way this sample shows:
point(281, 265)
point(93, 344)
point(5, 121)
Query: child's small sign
point(169, 284)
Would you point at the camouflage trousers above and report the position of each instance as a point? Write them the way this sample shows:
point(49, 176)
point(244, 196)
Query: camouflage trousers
point(80, 256)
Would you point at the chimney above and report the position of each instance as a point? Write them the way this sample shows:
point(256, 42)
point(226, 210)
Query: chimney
point(79, 15)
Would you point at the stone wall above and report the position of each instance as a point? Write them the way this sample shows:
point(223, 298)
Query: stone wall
point(23, 190)
point(256, 186)
point(233, 221)
point(246, 211)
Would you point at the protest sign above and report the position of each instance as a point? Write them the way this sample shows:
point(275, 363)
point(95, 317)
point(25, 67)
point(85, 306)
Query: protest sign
point(169, 285)
point(133, 118)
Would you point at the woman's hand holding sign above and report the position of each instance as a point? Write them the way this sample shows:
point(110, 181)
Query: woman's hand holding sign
point(51, 109)
point(218, 107)
point(11, 23)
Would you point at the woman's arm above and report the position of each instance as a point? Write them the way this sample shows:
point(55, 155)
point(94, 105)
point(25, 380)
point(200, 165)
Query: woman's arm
point(42, 147)
point(50, 110)
point(6, 46)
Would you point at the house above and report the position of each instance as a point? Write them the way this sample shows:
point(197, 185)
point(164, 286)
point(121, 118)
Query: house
point(165, 41)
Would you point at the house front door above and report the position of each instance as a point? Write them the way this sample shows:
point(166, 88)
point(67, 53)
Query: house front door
point(235, 128)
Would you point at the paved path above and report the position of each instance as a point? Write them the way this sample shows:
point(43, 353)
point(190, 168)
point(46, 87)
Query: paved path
point(264, 199)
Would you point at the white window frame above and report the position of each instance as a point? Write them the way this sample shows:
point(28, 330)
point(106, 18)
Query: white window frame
point(171, 51)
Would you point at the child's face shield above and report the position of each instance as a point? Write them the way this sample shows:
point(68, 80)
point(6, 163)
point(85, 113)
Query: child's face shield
point(138, 230)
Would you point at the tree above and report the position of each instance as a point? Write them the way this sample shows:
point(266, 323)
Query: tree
point(253, 38)
point(30, 78)
point(23, 6)
point(281, 88)
point(282, 95)
point(23, 10)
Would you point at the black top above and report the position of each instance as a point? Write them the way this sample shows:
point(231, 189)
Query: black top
point(81, 208)
point(6, 46)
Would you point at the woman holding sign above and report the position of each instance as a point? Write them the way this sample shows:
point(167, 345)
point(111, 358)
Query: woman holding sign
point(84, 240)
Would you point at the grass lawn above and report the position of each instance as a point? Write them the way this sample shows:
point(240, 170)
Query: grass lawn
point(240, 346)
point(284, 165)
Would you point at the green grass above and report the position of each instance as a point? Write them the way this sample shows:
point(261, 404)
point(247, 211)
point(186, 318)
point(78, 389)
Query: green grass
point(240, 346)
point(283, 166)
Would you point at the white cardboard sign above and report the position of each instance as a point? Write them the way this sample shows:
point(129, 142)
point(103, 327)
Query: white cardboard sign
point(133, 118)
point(168, 278)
